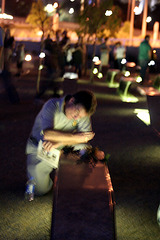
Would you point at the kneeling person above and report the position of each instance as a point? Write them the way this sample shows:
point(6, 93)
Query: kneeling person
point(61, 122)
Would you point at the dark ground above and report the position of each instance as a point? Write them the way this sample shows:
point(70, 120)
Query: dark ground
point(134, 165)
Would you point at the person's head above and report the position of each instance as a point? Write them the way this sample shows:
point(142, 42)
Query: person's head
point(118, 44)
point(80, 104)
point(147, 38)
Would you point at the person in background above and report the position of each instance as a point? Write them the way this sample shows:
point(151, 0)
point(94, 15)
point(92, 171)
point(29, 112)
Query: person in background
point(5, 73)
point(9, 45)
point(78, 59)
point(144, 56)
point(104, 54)
point(119, 53)
point(61, 122)
point(20, 58)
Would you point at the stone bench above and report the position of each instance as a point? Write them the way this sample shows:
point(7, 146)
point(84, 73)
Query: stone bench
point(83, 204)
point(111, 77)
point(124, 89)
point(154, 112)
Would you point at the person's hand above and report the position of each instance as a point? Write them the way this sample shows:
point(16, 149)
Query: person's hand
point(48, 146)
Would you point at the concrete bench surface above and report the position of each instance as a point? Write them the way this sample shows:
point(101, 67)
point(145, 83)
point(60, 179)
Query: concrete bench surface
point(82, 208)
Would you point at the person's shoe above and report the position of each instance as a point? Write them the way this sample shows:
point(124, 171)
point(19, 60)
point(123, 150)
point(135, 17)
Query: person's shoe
point(158, 215)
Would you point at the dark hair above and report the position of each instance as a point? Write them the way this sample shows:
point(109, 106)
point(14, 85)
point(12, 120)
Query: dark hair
point(147, 37)
point(87, 99)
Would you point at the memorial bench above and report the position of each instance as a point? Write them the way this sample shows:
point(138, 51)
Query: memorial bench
point(112, 77)
point(83, 204)
point(125, 87)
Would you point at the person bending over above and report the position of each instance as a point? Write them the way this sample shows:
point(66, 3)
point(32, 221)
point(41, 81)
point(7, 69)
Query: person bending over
point(61, 122)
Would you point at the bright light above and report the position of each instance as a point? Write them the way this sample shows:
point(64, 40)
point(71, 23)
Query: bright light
point(42, 55)
point(100, 75)
point(154, 51)
point(151, 63)
point(98, 62)
point(108, 13)
point(129, 99)
point(40, 67)
point(95, 71)
point(138, 79)
point(148, 19)
point(72, 0)
point(95, 59)
point(28, 57)
point(131, 64)
point(143, 115)
point(127, 74)
point(71, 11)
point(137, 11)
point(123, 61)
point(55, 5)
point(49, 8)
point(70, 75)
point(5, 16)
point(39, 33)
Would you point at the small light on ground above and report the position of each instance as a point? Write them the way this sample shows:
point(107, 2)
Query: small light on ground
point(42, 55)
point(28, 57)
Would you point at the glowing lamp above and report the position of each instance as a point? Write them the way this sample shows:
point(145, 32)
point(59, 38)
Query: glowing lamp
point(151, 63)
point(71, 11)
point(42, 55)
point(28, 57)
point(108, 13)
point(123, 61)
point(40, 67)
point(95, 59)
point(127, 74)
point(100, 75)
point(138, 79)
point(95, 71)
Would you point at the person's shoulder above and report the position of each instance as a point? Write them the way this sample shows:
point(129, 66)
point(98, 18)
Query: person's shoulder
point(54, 102)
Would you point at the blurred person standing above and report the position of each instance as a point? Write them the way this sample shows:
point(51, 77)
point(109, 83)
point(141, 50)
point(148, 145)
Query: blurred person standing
point(119, 53)
point(5, 73)
point(144, 56)
point(9, 45)
point(104, 54)
point(20, 58)
point(78, 59)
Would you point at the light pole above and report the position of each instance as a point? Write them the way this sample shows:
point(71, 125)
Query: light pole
point(132, 22)
point(144, 23)
point(3, 6)
point(129, 10)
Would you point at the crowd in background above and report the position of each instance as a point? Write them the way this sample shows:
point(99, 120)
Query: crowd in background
point(61, 55)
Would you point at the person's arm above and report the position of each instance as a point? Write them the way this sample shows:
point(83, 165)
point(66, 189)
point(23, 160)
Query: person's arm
point(55, 139)
point(66, 138)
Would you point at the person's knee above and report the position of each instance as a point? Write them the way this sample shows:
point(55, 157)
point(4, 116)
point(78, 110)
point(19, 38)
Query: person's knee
point(42, 189)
